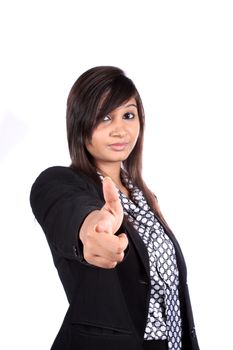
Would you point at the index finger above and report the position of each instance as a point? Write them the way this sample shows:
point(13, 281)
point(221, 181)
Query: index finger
point(109, 190)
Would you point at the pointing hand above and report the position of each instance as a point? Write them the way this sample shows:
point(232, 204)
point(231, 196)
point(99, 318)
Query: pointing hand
point(101, 247)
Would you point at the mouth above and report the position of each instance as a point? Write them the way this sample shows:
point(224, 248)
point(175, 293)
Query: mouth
point(118, 147)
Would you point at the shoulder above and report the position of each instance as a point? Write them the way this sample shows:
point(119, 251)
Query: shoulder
point(61, 175)
point(60, 184)
point(59, 172)
point(59, 180)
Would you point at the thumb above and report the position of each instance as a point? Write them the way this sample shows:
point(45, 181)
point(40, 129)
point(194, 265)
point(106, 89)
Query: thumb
point(102, 227)
point(124, 240)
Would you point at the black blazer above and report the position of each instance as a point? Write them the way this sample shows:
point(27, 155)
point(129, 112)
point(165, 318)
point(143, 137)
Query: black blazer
point(108, 307)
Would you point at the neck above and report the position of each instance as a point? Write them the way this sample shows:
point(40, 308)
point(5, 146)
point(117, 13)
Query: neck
point(113, 171)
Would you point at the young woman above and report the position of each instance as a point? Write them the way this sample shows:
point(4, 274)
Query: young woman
point(120, 265)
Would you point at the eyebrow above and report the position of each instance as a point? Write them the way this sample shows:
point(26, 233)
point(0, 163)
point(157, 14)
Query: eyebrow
point(131, 105)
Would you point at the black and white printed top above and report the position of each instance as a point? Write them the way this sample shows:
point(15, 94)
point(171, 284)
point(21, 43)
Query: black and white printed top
point(164, 319)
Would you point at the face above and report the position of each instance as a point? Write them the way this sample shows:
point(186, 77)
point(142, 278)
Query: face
point(116, 135)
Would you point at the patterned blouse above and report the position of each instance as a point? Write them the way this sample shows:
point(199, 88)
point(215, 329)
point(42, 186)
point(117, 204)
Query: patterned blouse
point(164, 319)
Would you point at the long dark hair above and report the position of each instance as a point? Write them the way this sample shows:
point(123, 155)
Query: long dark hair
point(96, 93)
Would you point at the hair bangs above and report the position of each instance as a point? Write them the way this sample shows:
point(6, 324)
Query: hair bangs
point(120, 91)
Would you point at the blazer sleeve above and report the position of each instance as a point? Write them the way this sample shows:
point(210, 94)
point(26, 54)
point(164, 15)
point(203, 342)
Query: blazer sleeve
point(61, 199)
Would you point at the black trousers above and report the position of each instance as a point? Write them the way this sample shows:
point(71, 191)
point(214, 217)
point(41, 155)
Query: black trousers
point(155, 345)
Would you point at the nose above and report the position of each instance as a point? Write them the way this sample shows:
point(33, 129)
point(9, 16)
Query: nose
point(118, 129)
point(118, 133)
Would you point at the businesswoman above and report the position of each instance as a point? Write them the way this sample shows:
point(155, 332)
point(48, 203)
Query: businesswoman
point(120, 264)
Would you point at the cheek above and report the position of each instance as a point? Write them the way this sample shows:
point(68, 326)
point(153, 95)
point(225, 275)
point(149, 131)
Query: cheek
point(94, 144)
point(137, 131)
point(136, 135)
point(90, 146)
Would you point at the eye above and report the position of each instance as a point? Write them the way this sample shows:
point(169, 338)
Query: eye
point(106, 118)
point(129, 115)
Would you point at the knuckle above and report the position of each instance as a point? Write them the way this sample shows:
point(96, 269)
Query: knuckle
point(119, 249)
point(86, 251)
point(87, 257)
point(111, 265)
point(107, 264)
point(120, 257)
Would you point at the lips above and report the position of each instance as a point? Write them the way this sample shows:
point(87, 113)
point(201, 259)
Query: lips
point(118, 146)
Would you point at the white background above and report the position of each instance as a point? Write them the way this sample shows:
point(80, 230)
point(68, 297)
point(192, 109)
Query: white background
point(179, 54)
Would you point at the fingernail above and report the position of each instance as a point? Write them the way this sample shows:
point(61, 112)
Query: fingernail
point(106, 178)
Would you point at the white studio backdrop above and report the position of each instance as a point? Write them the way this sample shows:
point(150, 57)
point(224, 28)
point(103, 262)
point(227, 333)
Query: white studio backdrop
point(179, 54)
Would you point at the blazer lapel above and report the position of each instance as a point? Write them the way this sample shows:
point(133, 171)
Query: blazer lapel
point(142, 251)
point(139, 245)
point(179, 255)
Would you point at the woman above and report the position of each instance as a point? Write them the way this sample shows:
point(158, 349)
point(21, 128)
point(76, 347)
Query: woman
point(120, 265)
